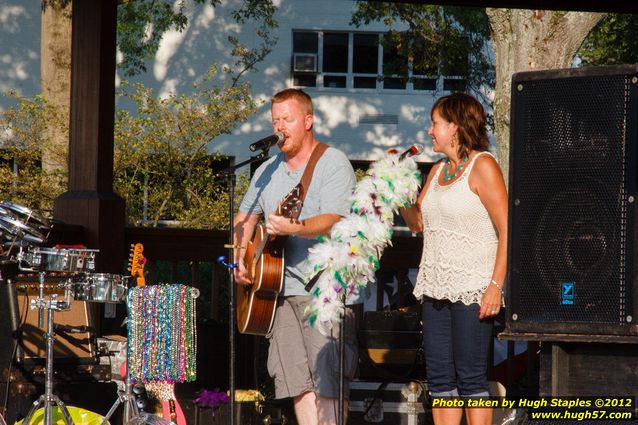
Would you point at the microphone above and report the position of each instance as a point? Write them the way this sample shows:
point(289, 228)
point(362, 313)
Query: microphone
point(267, 142)
point(415, 149)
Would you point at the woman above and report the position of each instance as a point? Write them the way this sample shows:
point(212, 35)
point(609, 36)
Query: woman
point(462, 212)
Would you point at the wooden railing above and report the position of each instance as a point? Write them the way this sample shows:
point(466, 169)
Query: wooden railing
point(170, 251)
point(192, 249)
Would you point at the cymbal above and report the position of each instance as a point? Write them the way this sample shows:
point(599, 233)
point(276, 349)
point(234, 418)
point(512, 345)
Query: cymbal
point(21, 230)
point(27, 214)
point(18, 222)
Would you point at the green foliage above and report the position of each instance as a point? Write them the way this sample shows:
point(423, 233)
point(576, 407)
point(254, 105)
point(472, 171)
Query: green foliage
point(22, 140)
point(613, 41)
point(162, 162)
point(263, 10)
point(162, 165)
point(438, 40)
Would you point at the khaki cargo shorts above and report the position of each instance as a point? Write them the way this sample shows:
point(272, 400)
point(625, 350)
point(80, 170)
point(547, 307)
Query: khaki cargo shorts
point(301, 359)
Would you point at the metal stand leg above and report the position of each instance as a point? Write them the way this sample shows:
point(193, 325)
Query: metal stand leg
point(128, 398)
point(48, 399)
point(342, 359)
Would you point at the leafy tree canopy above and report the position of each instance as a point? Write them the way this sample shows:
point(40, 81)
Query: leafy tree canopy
point(613, 41)
point(23, 136)
point(162, 164)
point(438, 40)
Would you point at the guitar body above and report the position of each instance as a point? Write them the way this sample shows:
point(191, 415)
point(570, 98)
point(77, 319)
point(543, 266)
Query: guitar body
point(256, 303)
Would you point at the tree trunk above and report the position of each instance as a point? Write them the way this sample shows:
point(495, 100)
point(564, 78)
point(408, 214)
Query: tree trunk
point(526, 40)
point(55, 78)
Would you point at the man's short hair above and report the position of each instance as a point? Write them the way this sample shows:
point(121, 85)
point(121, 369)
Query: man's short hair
point(297, 94)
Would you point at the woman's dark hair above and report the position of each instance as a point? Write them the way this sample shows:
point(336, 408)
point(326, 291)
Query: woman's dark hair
point(469, 116)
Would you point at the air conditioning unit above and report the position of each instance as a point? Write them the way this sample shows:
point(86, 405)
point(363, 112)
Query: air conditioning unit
point(304, 62)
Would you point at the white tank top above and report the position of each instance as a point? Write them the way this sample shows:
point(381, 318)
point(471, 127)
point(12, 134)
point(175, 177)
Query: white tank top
point(459, 242)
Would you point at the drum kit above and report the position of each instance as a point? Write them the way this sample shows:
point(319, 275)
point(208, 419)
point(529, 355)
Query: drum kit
point(22, 231)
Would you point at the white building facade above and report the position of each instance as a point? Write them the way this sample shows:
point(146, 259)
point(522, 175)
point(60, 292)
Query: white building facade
point(318, 50)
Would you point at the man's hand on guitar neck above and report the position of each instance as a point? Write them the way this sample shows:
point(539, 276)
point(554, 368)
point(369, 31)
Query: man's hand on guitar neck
point(309, 228)
point(277, 225)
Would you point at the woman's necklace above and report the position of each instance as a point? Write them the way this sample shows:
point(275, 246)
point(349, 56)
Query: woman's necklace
point(447, 176)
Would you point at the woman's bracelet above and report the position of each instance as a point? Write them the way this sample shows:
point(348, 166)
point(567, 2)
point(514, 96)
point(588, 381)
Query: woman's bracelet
point(493, 282)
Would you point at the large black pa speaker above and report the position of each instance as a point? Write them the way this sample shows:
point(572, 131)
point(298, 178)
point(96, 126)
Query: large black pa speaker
point(572, 235)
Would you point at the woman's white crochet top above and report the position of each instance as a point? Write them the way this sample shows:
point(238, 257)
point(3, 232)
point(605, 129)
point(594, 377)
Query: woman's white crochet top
point(459, 242)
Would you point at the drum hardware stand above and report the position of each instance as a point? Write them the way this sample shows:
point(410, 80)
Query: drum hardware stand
point(41, 275)
point(128, 398)
point(125, 396)
point(48, 398)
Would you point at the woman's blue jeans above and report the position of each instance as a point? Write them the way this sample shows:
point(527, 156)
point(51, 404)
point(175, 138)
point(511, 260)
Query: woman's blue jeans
point(456, 346)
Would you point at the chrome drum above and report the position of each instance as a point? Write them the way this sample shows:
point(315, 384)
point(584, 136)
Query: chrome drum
point(58, 259)
point(98, 287)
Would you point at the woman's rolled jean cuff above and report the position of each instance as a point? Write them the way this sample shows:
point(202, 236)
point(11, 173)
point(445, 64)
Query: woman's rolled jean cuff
point(482, 394)
point(445, 394)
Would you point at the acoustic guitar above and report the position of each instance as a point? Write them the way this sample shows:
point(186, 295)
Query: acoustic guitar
point(264, 259)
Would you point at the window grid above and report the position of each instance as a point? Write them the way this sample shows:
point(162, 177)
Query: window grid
point(414, 83)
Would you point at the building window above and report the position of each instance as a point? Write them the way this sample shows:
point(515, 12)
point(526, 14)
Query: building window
point(365, 60)
point(304, 63)
point(348, 60)
point(335, 60)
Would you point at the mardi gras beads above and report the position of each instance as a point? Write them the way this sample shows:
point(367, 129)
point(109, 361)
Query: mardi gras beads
point(162, 333)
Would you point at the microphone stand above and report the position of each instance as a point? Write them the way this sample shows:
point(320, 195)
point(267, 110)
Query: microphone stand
point(229, 173)
point(342, 359)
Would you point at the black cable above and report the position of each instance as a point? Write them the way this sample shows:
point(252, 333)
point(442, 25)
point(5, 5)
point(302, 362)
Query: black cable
point(8, 384)
point(427, 399)
point(12, 359)
point(375, 397)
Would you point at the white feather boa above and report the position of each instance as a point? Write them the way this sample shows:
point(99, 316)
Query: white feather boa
point(347, 260)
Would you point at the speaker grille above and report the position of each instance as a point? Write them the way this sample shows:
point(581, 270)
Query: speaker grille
point(569, 212)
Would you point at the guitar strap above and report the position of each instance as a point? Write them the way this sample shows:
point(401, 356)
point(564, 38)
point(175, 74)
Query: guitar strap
point(310, 168)
point(305, 181)
point(300, 189)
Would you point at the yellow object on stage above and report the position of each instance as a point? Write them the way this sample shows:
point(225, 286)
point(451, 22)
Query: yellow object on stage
point(247, 395)
point(80, 416)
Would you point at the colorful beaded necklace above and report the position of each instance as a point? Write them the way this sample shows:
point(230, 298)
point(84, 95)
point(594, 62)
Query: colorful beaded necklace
point(447, 176)
point(162, 343)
